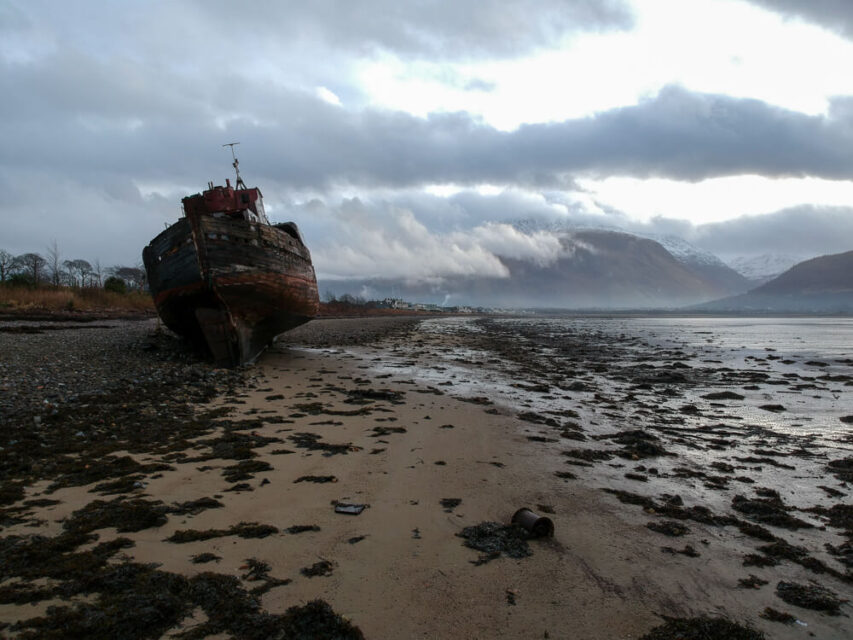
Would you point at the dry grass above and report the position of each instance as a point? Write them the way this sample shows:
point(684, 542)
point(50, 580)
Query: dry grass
point(67, 299)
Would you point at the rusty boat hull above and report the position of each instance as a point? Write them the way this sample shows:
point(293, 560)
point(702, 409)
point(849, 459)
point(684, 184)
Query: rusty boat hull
point(231, 285)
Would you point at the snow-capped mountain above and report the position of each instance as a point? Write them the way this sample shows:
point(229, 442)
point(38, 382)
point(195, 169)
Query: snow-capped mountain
point(761, 269)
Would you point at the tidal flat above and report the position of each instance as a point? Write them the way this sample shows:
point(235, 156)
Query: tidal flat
point(697, 472)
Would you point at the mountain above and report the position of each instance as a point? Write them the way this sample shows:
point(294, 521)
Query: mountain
point(763, 268)
point(819, 285)
point(598, 268)
point(703, 264)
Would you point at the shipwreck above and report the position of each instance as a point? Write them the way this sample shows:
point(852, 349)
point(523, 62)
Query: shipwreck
point(225, 278)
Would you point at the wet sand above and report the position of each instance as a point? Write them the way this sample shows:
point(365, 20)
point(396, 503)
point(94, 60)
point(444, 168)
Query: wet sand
point(370, 412)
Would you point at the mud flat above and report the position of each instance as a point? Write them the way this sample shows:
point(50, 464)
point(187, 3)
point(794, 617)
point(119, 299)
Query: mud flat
point(324, 490)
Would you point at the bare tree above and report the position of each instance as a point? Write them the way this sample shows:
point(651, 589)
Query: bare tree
point(6, 262)
point(98, 273)
point(54, 264)
point(85, 272)
point(32, 264)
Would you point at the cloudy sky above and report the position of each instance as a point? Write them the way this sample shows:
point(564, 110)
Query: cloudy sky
point(403, 136)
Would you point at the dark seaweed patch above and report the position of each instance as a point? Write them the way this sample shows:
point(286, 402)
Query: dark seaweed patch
point(313, 442)
point(770, 510)
point(322, 568)
point(358, 396)
point(386, 431)
point(638, 444)
point(258, 571)
point(809, 596)
point(82, 471)
point(773, 615)
point(688, 551)
point(703, 628)
point(243, 530)
point(588, 455)
point(301, 528)
point(842, 468)
point(124, 515)
point(669, 527)
point(752, 582)
point(450, 504)
point(194, 507)
point(202, 558)
point(495, 539)
point(245, 470)
point(317, 479)
point(723, 395)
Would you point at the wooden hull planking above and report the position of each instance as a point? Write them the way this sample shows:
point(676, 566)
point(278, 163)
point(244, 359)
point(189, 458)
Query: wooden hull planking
point(230, 285)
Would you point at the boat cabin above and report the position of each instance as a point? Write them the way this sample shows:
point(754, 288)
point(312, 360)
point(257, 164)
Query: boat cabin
point(218, 201)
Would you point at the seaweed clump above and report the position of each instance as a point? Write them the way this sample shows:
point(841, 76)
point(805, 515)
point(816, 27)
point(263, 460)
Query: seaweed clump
point(809, 596)
point(769, 510)
point(702, 628)
point(669, 528)
point(124, 515)
point(135, 601)
point(243, 530)
point(495, 539)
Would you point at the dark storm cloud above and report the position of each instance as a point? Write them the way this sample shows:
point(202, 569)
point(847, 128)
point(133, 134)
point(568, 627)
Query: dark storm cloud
point(156, 127)
point(433, 28)
point(836, 15)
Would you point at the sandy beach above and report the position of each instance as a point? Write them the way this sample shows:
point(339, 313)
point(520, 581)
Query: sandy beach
point(217, 490)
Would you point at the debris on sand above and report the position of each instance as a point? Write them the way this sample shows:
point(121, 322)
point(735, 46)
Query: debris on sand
point(494, 539)
point(702, 628)
point(348, 509)
point(810, 596)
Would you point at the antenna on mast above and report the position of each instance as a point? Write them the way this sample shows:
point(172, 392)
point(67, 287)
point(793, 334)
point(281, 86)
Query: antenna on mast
point(235, 164)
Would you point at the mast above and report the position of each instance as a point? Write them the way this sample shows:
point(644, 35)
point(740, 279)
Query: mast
point(239, 184)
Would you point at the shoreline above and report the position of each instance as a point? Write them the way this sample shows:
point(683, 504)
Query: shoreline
point(330, 388)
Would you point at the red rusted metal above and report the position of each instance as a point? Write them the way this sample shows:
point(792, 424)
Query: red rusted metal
point(226, 279)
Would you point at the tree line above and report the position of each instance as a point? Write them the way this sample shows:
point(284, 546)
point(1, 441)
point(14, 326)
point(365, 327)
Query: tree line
point(35, 270)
